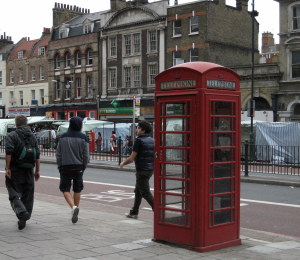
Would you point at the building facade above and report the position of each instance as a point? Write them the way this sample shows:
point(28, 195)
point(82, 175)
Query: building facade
point(6, 44)
point(288, 96)
point(26, 77)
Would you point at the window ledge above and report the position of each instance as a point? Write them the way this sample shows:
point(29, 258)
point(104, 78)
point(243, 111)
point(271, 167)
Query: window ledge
point(89, 65)
point(58, 99)
point(177, 36)
point(194, 33)
point(78, 98)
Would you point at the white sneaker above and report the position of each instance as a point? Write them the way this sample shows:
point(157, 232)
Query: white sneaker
point(75, 212)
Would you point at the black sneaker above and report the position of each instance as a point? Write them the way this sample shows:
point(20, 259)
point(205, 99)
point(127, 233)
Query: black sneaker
point(24, 216)
point(75, 213)
point(21, 224)
point(131, 214)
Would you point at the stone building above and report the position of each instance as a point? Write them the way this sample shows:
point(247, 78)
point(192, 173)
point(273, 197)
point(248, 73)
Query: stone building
point(269, 50)
point(26, 76)
point(6, 44)
point(288, 96)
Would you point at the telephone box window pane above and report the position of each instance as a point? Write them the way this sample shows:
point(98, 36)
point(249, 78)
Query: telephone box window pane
point(222, 139)
point(177, 140)
point(223, 108)
point(221, 186)
point(176, 186)
point(174, 109)
point(223, 155)
point(222, 170)
point(223, 124)
point(220, 202)
point(175, 217)
point(174, 124)
point(174, 170)
point(221, 217)
point(177, 155)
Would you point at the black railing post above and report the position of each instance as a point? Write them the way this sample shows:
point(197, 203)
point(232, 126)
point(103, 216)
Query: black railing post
point(120, 149)
point(246, 159)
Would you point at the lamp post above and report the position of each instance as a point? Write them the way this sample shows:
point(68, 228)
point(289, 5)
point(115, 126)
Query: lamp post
point(98, 104)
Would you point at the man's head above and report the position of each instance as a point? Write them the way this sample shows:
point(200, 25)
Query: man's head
point(20, 120)
point(75, 123)
point(144, 127)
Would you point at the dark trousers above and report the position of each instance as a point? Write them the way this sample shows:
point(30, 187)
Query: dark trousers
point(20, 189)
point(142, 190)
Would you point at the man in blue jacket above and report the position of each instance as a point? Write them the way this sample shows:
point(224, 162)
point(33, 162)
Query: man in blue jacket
point(72, 157)
point(143, 155)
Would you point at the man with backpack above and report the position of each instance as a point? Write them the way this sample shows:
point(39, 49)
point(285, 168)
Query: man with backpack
point(22, 155)
point(72, 157)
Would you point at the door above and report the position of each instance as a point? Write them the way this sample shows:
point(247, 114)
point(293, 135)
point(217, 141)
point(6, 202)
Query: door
point(174, 141)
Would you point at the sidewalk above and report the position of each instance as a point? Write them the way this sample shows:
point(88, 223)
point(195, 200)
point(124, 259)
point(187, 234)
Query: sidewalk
point(103, 232)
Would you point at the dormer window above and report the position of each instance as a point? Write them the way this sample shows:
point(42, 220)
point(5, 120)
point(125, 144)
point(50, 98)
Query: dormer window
point(20, 55)
point(42, 51)
point(87, 28)
point(63, 32)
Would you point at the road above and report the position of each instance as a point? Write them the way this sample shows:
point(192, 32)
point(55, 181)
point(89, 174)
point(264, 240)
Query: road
point(263, 207)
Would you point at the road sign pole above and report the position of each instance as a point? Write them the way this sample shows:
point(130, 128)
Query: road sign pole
point(133, 118)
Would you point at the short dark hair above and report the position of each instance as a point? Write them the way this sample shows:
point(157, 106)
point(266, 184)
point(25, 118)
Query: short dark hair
point(20, 120)
point(145, 126)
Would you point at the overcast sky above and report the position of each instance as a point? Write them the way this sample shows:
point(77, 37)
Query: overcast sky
point(26, 18)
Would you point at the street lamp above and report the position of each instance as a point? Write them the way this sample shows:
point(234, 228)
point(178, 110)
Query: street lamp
point(98, 104)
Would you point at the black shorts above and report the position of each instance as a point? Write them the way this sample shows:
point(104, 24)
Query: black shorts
point(66, 178)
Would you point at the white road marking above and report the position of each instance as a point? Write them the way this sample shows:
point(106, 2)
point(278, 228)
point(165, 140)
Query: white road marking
point(132, 187)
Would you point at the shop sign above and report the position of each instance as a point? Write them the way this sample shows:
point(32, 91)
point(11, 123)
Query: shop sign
point(178, 84)
point(116, 111)
point(19, 111)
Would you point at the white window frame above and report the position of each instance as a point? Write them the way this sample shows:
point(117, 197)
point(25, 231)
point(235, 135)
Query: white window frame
point(42, 96)
point(194, 24)
point(33, 94)
point(33, 73)
point(12, 99)
point(127, 77)
point(192, 56)
point(42, 51)
point(113, 46)
point(136, 40)
point(88, 28)
point(78, 58)
point(21, 95)
point(67, 59)
point(21, 75)
point(112, 74)
point(1, 77)
point(89, 57)
point(42, 72)
point(57, 61)
point(136, 70)
point(177, 30)
point(57, 89)
point(152, 72)
point(20, 55)
point(1, 99)
point(89, 83)
point(63, 32)
point(127, 45)
point(296, 5)
point(152, 41)
point(177, 58)
point(297, 64)
point(78, 87)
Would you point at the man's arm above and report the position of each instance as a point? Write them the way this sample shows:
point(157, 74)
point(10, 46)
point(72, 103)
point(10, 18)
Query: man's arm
point(129, 160)
point(37, 169)
point(7, 165)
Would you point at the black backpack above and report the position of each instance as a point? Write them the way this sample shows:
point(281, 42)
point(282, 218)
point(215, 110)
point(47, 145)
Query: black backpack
point(26, 154)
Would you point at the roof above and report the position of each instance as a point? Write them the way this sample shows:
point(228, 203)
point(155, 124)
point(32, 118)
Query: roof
point(23, 45)
point(42, 43)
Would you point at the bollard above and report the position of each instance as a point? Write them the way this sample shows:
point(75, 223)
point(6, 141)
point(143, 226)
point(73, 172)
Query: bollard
point(120, 149)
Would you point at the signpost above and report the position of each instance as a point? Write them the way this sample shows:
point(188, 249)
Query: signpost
point(133, 118)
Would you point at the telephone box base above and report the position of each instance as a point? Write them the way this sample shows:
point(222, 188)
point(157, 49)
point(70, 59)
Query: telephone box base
point(203, 249)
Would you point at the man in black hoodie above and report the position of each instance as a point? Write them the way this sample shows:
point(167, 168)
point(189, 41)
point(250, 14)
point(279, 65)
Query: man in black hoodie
point(19, 180)
point(72, 157)
point(143, 155)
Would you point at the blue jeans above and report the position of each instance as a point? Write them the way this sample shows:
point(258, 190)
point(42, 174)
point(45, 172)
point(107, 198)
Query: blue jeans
point(142, 190)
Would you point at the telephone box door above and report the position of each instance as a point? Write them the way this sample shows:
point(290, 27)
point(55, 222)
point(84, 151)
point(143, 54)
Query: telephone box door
point(174, 137)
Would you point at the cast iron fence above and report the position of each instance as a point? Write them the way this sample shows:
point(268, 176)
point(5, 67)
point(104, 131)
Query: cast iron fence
point(270, 159)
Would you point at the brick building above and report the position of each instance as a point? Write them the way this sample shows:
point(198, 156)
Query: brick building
point(26, 76)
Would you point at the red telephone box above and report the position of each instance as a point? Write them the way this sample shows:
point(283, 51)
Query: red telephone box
point(92, 146)
point(197, 145)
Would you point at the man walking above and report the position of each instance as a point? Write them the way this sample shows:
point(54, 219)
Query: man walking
point(22, 155)
point(143, 155)
point(72, 157)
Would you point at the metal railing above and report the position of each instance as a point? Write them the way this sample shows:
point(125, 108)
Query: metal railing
point(270, 159)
